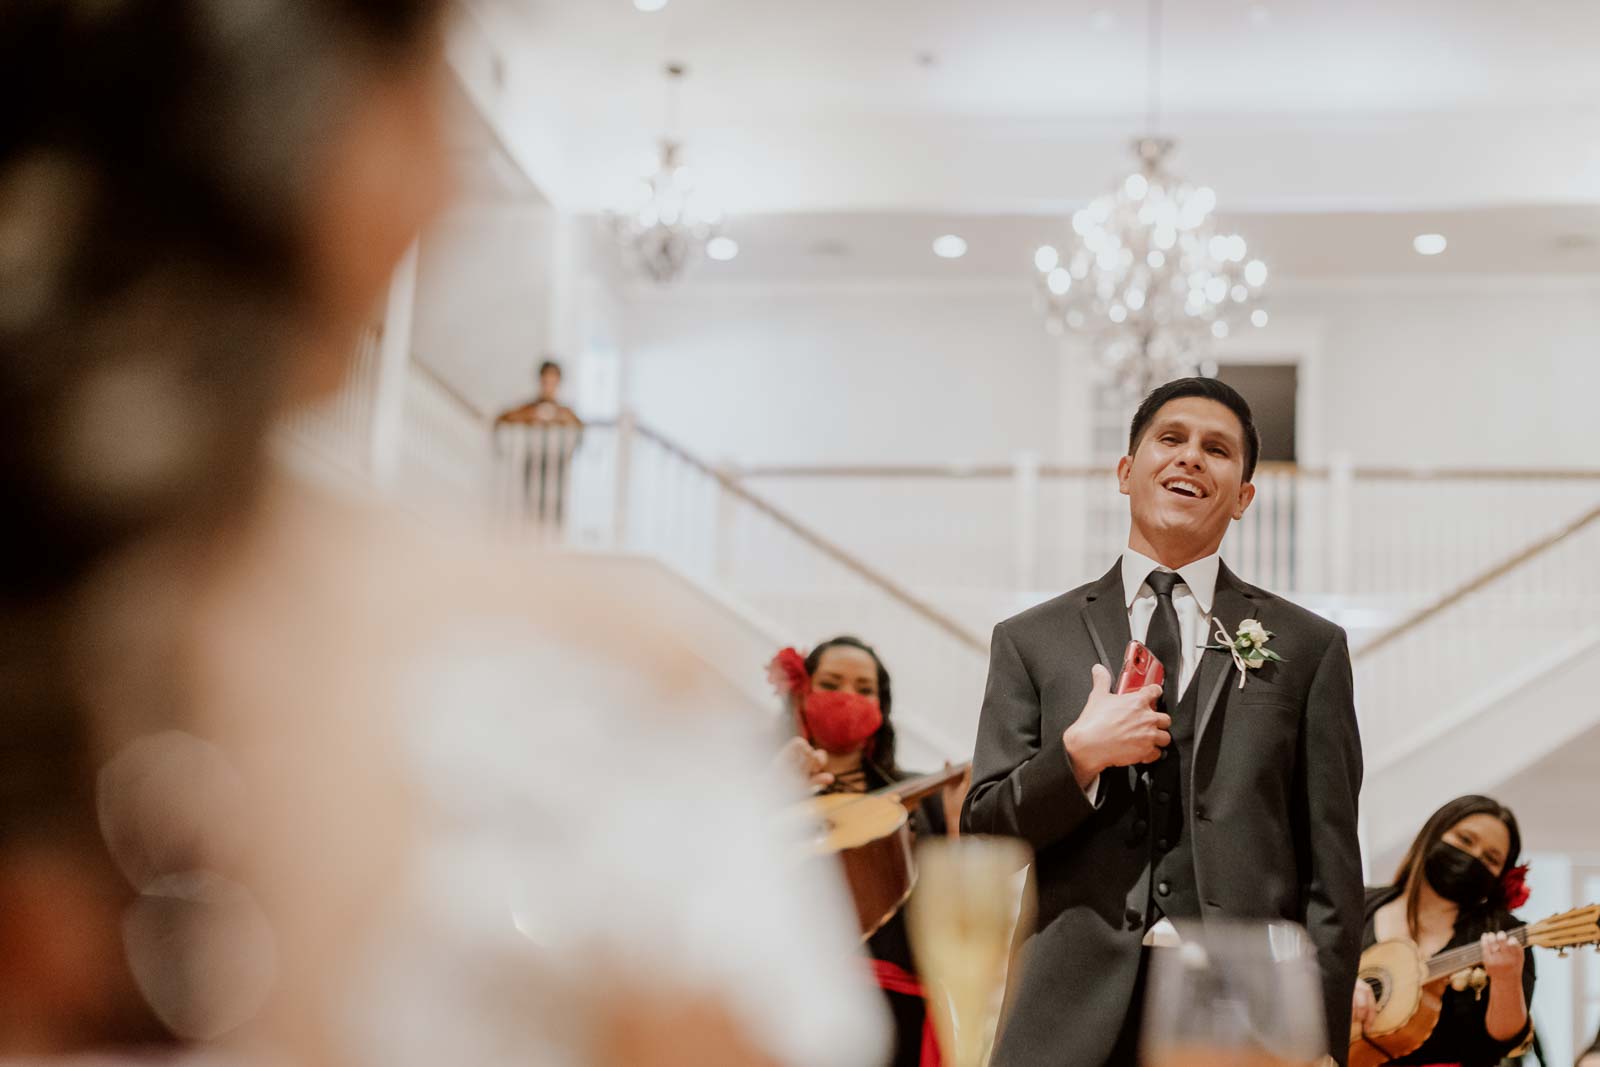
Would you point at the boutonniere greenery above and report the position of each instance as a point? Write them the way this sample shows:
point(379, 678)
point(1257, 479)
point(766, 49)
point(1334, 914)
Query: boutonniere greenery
point(1248, 647)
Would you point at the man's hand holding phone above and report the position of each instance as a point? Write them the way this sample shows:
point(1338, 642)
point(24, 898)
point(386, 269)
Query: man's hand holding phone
point(1119, 729)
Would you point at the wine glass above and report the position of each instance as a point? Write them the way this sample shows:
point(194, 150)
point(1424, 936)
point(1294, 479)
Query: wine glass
point(1235, 994)
point(961, 917)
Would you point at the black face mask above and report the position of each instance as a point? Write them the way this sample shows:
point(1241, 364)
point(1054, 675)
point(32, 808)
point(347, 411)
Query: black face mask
point(1458, 876)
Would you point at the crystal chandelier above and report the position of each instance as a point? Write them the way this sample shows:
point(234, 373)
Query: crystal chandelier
point(1147, 277)
point(664, 226)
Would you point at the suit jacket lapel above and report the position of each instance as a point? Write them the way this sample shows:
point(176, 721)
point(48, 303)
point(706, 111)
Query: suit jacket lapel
point(1231, 606)
point(1106, 615)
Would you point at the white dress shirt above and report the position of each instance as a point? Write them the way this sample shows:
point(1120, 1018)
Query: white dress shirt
point(1192, 598)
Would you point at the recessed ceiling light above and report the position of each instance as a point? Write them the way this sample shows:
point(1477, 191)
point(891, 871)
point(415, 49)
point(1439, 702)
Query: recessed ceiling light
point(1429, 244)
point(949, 247)
point(649, 5)
point(722, 249)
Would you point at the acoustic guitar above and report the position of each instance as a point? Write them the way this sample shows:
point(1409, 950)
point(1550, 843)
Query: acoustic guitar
point(871, 835)
point(1409, 988)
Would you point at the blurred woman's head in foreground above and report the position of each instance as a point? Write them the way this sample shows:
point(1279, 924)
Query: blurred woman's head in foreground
point(201, 203)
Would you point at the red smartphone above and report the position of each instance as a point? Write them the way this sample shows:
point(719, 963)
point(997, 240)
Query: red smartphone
point(1139, 668)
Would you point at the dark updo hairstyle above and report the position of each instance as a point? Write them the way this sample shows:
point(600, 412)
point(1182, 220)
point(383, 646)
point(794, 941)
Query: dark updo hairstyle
point(158, 160)
point(882, 759)
point(1409, 876)
point(156, 164)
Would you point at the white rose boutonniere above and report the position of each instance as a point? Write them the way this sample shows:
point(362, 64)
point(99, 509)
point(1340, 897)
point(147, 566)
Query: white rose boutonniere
point(1248, 647)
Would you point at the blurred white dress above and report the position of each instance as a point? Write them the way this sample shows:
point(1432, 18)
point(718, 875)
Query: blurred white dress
point(479, 803)
point(589, 842)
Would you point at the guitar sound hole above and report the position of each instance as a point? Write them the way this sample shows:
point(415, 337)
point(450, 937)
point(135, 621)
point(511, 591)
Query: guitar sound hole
point(1375, 983)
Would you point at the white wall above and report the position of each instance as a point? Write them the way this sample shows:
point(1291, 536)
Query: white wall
point(1478, 373)
point(1450, 374)
point(845, 373)
point(482, 307)
point(1456, 372)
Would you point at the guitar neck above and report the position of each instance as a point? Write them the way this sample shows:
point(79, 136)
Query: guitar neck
point(914, 789)
point(1459, 959)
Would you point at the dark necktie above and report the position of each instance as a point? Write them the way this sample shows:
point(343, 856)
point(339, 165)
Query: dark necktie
point(1165, 637)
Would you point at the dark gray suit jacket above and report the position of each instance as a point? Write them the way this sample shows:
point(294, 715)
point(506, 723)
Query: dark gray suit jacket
point(1272, 810)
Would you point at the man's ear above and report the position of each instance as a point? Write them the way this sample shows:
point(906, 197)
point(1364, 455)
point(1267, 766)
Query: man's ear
point(1124, 470)
point(1247, 493)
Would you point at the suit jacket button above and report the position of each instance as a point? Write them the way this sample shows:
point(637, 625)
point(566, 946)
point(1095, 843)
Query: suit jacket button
point(1163, 796)
point(1162, 844)
point(1140, 826)
point(1164, 888)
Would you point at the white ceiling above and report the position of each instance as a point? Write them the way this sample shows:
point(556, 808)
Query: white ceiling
point(834, 247)
point(1027, 105)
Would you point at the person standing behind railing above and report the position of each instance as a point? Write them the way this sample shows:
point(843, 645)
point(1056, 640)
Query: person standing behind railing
point(550, 435)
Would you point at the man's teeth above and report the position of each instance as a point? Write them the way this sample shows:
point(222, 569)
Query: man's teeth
point(1185, 487)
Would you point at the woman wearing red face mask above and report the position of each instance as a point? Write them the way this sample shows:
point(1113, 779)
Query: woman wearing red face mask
point(845, 742)
point(1456, 886)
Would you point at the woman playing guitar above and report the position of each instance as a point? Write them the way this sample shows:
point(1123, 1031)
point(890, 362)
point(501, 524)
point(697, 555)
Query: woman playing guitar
point(847, 745)
point(1455, 887)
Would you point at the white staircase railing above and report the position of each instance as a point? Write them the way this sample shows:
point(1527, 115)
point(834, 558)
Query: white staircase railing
point(1508, 655)
point(1403, 535)
point(624, 487)
point(1388, 540)
point(337, 433)
point(444, 444)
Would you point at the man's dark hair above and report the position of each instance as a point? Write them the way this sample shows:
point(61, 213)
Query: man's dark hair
point(1206, 389)
point(549, 365)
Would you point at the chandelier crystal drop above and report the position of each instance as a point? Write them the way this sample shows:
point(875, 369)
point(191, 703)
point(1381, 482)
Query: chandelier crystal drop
point(1148, 278)
point(665, 226)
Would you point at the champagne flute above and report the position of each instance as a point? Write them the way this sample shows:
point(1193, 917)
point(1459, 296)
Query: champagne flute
point(1235, 994)
point(961, 918)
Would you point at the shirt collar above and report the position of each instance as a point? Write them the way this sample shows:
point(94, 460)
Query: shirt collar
point(1200, 576)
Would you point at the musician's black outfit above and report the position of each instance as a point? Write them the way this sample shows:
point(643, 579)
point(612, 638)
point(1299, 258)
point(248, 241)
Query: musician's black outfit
point(1461, 1036)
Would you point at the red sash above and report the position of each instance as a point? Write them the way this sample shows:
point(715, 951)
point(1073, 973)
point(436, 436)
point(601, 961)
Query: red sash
point(892, 979)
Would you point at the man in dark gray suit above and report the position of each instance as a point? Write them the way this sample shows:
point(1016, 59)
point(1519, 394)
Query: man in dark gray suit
point(1199, 801)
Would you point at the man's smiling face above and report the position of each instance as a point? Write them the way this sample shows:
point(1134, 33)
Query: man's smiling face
point(1185, 480)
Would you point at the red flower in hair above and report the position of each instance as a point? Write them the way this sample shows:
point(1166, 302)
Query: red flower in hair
point(787, 673)
point(1514, 887)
